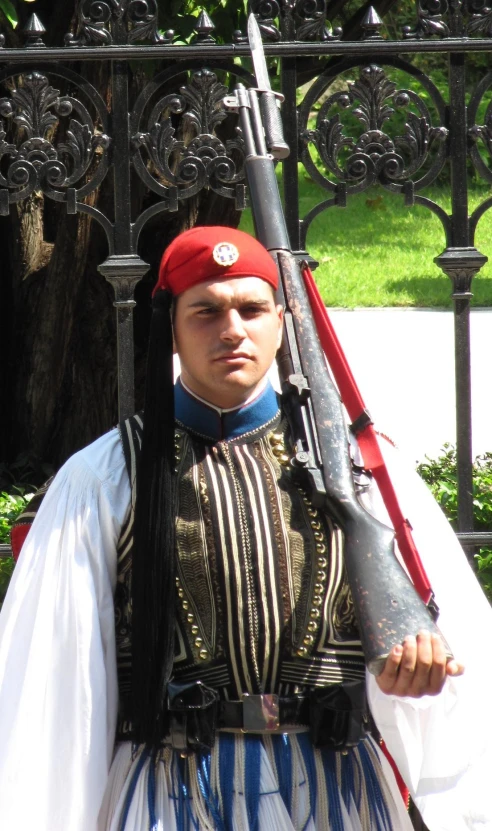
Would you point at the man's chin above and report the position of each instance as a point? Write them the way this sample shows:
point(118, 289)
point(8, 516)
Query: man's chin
point(235, 389)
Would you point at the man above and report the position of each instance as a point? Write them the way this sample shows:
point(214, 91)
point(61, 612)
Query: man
point(214, 588)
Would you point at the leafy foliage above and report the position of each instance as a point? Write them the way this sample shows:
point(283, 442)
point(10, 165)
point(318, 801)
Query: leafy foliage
point(26, 473)
point(441, 476)
point(181, 15)
point(11, 505)
point(9, 11)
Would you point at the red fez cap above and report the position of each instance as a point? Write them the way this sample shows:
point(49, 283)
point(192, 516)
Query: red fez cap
point(209, 252)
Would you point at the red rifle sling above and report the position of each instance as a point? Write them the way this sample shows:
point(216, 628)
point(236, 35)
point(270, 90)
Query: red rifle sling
point(366, 437)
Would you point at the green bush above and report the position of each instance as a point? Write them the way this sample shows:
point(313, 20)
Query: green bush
point(441, 476)
point(11, 505)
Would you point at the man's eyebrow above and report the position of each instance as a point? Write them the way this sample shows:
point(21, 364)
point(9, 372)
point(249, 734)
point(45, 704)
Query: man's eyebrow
point(211, 304)
point(208, 304)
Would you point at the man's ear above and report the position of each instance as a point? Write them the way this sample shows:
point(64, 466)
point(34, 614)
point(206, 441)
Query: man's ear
point(280, 314)
point(173, 318)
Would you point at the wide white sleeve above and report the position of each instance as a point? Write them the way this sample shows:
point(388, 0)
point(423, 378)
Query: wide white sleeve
point(58, 689)
point(443, 745)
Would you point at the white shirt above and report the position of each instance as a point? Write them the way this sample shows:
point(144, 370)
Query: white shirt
point(58, 686)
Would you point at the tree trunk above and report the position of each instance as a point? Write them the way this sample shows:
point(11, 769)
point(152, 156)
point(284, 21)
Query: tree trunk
point(58, 325)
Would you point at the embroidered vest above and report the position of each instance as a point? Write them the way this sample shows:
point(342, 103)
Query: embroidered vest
point(263, 603)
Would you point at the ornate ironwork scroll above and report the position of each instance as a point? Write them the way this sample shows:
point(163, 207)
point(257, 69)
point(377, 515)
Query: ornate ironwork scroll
point(369, 131)
point(49, 141)
point(178, 153)
point(302, 20)
point(430, 20)
point(104, 22)
point(451, 18)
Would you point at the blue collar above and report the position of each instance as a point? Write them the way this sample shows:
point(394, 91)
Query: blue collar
point(219, 425)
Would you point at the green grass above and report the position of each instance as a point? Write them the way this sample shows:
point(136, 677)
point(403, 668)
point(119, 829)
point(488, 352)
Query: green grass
point(377, 252)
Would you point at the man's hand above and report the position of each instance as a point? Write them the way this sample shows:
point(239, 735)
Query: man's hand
point(417, 668)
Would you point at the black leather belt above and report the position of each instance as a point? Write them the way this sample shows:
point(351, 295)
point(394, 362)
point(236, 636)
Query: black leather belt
point(335, 715)
point(262, 713)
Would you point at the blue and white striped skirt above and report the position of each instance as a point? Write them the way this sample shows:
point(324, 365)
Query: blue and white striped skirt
point(253, 783)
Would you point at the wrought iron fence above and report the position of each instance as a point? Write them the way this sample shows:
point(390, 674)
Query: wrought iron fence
point(369, 116)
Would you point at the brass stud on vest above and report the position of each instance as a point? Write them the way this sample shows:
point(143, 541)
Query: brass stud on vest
point(277, 444)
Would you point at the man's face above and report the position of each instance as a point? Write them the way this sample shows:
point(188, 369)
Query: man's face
point(226, 333)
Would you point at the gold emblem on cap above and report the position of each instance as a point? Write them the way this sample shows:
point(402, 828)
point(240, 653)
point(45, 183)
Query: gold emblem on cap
point(225, 253)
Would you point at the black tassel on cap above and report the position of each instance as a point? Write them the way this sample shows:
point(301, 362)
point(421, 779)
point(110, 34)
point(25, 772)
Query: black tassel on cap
point(153, 568)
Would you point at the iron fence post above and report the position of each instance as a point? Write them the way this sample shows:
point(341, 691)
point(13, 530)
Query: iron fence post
point(461, 261)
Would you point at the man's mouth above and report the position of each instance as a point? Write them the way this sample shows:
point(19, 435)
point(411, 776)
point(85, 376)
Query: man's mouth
point(233, 357)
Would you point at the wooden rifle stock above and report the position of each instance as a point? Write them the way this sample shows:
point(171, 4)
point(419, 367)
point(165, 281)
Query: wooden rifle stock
point(387, 605)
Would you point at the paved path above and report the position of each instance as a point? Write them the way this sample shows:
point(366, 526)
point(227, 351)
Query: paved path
point(403, 361)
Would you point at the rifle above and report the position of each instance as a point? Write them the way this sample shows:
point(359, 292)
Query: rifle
point(386, 603)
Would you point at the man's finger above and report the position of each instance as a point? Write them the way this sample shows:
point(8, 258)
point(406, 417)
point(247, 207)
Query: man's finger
point(387, 679)
point(437, 675)
point(423, 664)
point(407, 666)
point(454, 668)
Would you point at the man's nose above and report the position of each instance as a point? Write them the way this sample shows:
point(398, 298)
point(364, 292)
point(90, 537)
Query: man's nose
point(233, 328)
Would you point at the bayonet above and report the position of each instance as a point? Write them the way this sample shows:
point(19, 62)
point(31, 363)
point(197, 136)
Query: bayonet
point(272, 120)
